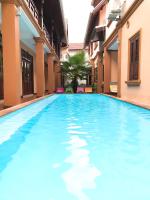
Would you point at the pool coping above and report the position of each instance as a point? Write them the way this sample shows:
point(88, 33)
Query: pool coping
point(22, 105)
point(141, 105)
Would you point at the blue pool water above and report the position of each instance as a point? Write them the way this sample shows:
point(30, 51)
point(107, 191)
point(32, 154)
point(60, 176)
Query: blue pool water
point(75, 147)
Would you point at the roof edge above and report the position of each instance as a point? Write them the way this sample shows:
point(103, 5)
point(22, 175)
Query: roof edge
point(63, 20)
point(92, 14)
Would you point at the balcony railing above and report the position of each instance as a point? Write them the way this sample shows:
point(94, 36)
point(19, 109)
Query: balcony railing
point(46, 32)
point(31, 5)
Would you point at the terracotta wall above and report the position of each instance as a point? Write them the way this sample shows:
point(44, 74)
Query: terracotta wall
point(102, 16)
point(112, 5)
point(95, 62)
point(126, 5)
point(46, 72)
point(114, 66)
point(142, 92)
point(110, 29)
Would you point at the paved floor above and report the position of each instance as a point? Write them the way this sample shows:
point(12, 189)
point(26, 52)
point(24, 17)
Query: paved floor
point(23, 100)
point(1, 105)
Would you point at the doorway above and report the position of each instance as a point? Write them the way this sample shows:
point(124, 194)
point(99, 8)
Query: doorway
point(27, 73)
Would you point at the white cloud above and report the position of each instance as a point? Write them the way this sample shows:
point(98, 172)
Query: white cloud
point(77, 13)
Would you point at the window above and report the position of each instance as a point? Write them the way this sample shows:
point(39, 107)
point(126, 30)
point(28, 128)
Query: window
point(134, 57)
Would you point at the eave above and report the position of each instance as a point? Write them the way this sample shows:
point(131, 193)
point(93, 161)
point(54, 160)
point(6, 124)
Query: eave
point(54, 16)
point(92, 21)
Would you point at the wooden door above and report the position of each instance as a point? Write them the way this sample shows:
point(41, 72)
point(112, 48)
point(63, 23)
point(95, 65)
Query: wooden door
point(27, 73)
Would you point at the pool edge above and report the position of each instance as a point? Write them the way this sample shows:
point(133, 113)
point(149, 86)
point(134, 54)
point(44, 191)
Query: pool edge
point(22, 105)
point(147, 107)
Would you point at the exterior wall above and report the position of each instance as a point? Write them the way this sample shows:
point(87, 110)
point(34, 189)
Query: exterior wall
point(110, 29)
point(64, 54)
point(31, 52)
point(95, 66)
point(94, 46)
point(94, 59)
point(95, 50)
point(67, 52)
point(20, 19)
point(73, 52)
point(46, 78)
point(114, 66)
point(113, 5)
point(95, 62)
point(119, 4)
point(126, 5)
point(102, 16)
point(137, 93)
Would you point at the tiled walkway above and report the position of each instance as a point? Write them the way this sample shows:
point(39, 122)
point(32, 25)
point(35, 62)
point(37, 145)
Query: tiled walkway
point(23, 100)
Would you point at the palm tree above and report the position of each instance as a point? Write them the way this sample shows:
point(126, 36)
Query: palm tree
point(75, 68)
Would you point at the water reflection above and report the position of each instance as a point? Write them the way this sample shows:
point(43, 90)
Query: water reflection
point(10, 147)
point(9, 126)
point(82, 173)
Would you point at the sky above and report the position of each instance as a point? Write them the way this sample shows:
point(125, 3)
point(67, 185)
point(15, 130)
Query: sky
point(77, 12)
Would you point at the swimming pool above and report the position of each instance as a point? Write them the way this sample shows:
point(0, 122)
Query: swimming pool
point(75, 147)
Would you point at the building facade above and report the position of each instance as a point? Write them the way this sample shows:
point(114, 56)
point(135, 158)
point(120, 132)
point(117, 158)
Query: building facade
point(94, 39)
point(126, 49)
point(71, 50)
point(30, 43)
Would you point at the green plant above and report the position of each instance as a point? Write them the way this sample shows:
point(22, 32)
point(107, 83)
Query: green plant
point(94, 86)
point(75, 68)
point(69, 90)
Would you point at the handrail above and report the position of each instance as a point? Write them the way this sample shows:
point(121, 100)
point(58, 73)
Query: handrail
point(46, 32)
point(31, 5)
